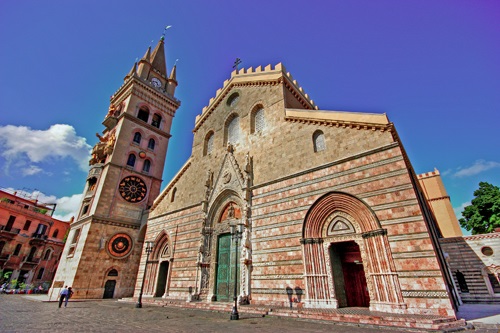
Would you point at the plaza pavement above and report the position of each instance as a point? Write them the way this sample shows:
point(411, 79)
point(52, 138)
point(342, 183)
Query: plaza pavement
point(32, 313)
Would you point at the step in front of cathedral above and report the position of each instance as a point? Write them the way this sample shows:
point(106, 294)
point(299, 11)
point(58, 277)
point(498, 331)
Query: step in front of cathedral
point(349, 316)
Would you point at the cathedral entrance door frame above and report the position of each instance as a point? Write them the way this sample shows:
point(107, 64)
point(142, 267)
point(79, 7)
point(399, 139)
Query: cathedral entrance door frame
point(351, 289)
point(161, 284)
point(225, 272)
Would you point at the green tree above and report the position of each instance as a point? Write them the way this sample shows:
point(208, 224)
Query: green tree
point(483, 215)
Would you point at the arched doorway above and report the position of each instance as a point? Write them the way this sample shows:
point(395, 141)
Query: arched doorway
point(349, 275)
point(346, 251)
point(162, 279)
point(109, 289)
point(226, 270)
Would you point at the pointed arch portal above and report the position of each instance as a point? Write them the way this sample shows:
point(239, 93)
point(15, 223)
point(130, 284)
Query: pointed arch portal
point(342, 240)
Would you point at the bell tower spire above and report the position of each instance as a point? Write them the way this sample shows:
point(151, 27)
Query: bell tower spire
point(102, 256)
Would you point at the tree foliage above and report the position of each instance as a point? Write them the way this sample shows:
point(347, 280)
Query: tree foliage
point(483, 215)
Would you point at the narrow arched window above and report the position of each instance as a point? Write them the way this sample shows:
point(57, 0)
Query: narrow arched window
point(151, 144)
point(258, 120)
point(137, 137)
point(319, 141)
point(146, 166)
point(131, 160)
point(113, 272)
point(233, 130)
point(156, 120)
point(172, 198)
point(32, 253)
point(56, 232)
point(47, 254)
point(40, 273)
point(2, 244)
point(17, 250)
point(209, 143)
point(143, 115)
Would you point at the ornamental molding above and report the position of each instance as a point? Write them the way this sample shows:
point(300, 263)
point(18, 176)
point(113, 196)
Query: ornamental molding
point(341, 124)
point(424, 294)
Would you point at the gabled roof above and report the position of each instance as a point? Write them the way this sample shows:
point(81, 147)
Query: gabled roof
point(257, 76)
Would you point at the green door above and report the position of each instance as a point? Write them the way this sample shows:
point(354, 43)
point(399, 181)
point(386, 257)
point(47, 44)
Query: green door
point(225, 269)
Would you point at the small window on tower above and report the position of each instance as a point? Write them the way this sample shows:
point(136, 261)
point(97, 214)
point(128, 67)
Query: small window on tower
point(156, 120)
point(151, 144)
point(56, 232)
point(146, 166)
point(137, 137)
point(131, 160)
point(143, 115)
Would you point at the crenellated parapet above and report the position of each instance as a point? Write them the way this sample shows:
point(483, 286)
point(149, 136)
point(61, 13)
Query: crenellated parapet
point(258, 76)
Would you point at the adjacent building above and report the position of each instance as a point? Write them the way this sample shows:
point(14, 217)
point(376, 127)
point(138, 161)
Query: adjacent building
point(31, 240)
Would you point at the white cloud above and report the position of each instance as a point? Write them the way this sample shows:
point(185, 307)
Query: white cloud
point(458, 210)
point(31, 170)
point(59, 141)
point(478, 167)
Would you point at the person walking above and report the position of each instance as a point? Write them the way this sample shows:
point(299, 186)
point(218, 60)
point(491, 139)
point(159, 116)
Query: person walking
point(63, 295)
point(68, 296)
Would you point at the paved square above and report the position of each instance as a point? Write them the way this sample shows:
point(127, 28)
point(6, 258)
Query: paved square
point(22, 314)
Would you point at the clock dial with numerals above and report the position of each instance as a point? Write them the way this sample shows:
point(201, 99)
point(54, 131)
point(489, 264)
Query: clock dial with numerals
point(156, 82)
point(133, 189)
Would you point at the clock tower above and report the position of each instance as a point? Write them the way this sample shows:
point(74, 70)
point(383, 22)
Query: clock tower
point(104, 244)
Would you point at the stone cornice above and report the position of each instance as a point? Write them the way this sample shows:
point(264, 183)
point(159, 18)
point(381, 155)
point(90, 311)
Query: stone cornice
point(105, 220)
point(157, 98)
point(440, 198)
point(341, 123)
point(492, 235)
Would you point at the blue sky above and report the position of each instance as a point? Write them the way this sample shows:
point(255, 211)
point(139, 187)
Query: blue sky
point(431, 65)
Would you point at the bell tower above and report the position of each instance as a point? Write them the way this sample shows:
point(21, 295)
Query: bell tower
point(103, 247)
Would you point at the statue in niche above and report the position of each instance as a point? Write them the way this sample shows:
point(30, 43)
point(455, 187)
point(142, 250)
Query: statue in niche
point(230, 211)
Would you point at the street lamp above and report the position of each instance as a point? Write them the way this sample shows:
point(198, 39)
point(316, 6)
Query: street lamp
point(236, 234)
point(149, 249)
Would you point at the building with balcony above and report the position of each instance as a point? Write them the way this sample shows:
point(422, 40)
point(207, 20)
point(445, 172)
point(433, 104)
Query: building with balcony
point(31, 240)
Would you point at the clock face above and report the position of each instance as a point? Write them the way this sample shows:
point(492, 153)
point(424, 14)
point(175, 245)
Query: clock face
point(120, 245)
point(133, 189)
point(156, 82)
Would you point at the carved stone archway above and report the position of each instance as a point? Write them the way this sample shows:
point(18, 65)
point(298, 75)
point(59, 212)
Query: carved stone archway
point(161, 254)
point(358, 223)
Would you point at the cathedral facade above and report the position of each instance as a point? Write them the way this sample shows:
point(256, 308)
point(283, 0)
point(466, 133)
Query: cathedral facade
point(329, 209)
point(280, 202)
